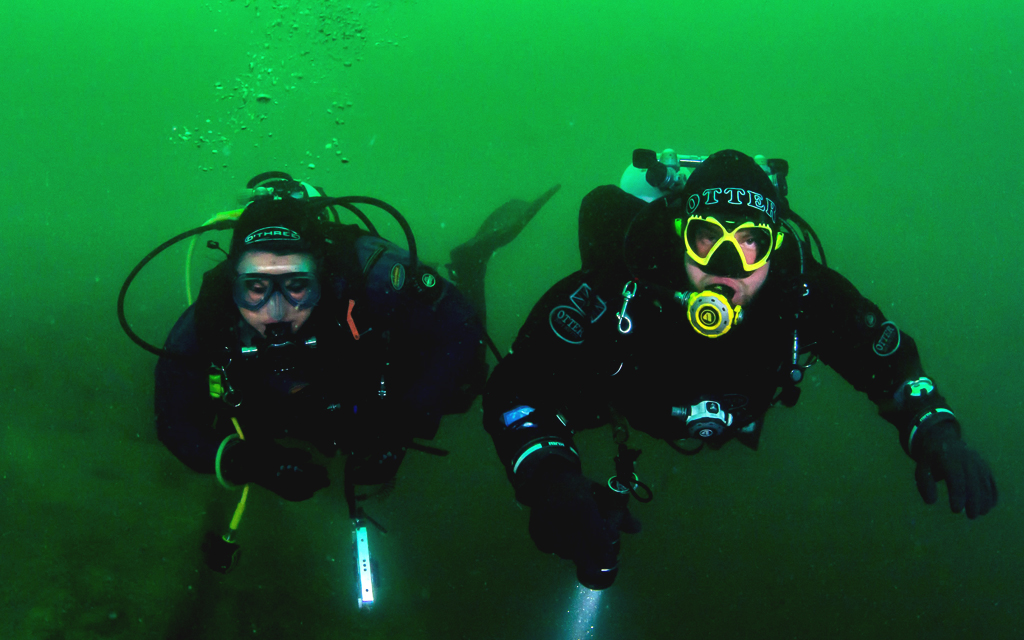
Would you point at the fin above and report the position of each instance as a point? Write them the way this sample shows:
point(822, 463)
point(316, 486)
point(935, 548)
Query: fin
point(500, 228)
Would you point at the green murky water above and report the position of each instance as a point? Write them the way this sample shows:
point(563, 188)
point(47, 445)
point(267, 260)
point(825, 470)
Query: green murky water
point(125, 123)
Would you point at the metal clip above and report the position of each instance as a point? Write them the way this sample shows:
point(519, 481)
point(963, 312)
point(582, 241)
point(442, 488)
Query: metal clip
point(628, 293)
point(226, 391)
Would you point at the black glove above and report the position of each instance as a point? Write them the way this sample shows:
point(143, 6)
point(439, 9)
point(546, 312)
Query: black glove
point(944, 456)
point(287, 472)
point(579, 520)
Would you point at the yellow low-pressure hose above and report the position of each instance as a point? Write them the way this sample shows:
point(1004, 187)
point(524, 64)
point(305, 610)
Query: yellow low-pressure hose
point(240, 509)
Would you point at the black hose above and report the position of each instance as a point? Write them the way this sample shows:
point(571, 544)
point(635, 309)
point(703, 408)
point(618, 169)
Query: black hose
point(807, 229)
point(380, 204)
point(216, 226)
point(268, 175)
point(493, 347)
point(359, 214)
point(348, 201)
point(645, 495)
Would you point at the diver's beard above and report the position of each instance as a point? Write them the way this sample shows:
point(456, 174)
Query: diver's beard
point(743, 291)
point(732, 275)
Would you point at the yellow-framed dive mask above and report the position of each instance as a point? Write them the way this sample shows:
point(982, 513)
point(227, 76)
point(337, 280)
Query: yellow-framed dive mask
point(725, 251)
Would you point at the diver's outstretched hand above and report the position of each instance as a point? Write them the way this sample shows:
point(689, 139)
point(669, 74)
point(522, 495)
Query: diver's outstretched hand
point(969, 481)
point(570, 517)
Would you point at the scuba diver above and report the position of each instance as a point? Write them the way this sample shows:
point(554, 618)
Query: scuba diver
point(325, 336)
point(698, 307)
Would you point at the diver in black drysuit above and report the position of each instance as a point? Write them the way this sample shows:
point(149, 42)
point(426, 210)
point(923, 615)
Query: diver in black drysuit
point(589, 355)
point(385, 351)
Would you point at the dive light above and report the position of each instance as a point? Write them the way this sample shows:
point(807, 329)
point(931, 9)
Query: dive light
point(364, 569)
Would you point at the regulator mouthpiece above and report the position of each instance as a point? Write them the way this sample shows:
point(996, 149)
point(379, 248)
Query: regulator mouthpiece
point(710, 312)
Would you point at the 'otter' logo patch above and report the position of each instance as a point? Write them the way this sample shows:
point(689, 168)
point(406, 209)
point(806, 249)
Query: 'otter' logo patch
point(889, 341)
point(567, 323)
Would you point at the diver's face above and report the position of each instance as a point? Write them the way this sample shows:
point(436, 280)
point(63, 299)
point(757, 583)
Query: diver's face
point(745, 288)
point(278, 308)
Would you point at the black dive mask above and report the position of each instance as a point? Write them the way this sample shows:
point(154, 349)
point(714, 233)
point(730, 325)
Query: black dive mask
point(253, 291)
